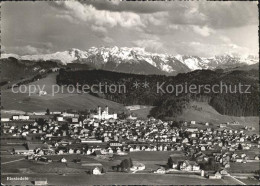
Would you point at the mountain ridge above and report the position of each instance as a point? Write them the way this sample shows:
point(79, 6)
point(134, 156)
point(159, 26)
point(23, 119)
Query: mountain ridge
point(137, 60)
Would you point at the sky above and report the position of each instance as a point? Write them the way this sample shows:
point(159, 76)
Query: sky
point(177, 27)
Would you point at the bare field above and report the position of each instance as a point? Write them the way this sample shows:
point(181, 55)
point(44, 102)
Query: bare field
point(126, 179)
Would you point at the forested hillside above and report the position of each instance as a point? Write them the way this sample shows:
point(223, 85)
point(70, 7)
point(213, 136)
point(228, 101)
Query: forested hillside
point(168, 104)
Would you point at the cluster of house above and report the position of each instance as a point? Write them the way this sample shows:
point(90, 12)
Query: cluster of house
point(186, 165)
point(70, 133)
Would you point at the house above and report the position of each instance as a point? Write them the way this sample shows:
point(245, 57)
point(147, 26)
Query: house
point(15, 117)
point(96, 171)
point(192, 130)
point(185, 166)
point(75, 120)
point(5, 119)
point(223, 172)
point(175, 165)
point(115, 144)
point(202, 173)
point(41, 181)
point(137, 166)
point(132, 117)
point(193, 122)
point(63, 160)
point(131, 149)
point(160, 171)
point(226, 165)
point(222, 125)
point(59, 118)
point(195, 167)
point(71, 151)
point(41, 92)
point(239, 160)
point(88, 152)
point(217, 175)
point(40, 152)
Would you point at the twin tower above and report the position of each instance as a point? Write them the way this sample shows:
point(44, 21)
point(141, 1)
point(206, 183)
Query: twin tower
point(104, 115)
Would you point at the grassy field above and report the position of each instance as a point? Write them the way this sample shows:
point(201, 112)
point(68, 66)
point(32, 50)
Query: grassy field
point(142, 112)
point(123, 179)
point(209, 114)
point(244, 167)
point(250, 181)
point(58, 102)
point(151, 160)
point(154, 155)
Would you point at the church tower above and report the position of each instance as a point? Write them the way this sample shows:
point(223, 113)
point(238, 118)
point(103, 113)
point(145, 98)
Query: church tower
point(99, 110)
point(106, 110)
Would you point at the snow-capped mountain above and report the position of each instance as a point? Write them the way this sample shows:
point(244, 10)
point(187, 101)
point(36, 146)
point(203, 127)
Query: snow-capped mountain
point(137, 60)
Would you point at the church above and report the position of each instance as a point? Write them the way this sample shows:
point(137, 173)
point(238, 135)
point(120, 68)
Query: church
point(104, 115)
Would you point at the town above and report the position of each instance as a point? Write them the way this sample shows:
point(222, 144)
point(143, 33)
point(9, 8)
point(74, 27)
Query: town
point(75, 139)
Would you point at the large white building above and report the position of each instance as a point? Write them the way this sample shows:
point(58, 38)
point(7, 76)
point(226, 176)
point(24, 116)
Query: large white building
point(104, 115)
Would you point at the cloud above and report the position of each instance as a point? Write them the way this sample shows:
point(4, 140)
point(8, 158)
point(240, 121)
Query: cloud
point(150, 45)
point(203, 31)
point(26, 50)
point(128, 6)
point(209, 50)
point(230, 14)
point(108, 39)
point(158, 18)
point(225, 39)
point(89, 14)
point(204, 27)
point(100, 29)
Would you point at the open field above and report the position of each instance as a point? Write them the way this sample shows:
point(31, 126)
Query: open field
point(141, 112)
point(154, 155)
point(209, 114)
point(59, 173)
point(58, 102)
point(122, 178)
point(244, 167)
point(250, 181)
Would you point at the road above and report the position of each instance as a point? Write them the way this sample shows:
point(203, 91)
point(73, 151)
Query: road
point(12, 161)
point(235, 180)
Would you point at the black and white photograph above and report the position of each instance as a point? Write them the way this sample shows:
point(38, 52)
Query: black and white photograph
point(121, 92)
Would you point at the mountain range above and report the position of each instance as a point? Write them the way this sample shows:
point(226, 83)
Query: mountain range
point(138, 61)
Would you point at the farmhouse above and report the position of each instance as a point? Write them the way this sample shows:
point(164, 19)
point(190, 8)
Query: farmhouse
point(40, 181)
point(193, 122)
point(217, 175)
point(222, 125)
point(160, 171)
point(192, 129)
point(96, 171)
point(63, 160)
point(5, 119)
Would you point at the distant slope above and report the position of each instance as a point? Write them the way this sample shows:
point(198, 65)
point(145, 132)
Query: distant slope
point(59, 102)
point(203, 112)
point(13, 69)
